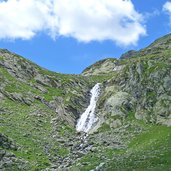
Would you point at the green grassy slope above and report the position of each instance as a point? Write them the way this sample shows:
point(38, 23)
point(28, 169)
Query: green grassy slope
point(35, 136)
point(147, 148)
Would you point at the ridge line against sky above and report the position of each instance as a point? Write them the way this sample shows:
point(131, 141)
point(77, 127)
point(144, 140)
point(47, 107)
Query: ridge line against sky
point(62, 34)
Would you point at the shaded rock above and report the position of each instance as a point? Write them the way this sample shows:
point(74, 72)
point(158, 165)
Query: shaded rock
point(6, 143)
point(128, 54)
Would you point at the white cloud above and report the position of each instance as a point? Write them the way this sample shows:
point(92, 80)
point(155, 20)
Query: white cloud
point(84, 20)
point(167, 8)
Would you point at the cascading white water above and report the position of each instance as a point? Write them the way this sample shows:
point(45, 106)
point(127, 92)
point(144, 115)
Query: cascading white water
point(88, 118)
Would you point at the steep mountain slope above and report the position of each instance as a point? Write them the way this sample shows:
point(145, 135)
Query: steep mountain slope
point(39, 110)
point(156, 47)
point(139, 89)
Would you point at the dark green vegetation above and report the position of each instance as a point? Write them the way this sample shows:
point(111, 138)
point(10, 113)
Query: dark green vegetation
point(39, 110)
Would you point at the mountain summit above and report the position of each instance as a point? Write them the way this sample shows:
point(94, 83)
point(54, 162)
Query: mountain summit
point(39, 111)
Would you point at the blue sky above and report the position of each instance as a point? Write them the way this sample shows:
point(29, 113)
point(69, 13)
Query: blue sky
point(82, 37)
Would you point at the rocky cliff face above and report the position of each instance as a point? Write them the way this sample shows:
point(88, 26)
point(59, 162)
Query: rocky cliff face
point(102, 67)
point(39, 110)
point(143, 86)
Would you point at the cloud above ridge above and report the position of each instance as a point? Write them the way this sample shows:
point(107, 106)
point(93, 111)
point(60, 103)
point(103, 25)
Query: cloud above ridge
point(90, 20)
point(167, 8)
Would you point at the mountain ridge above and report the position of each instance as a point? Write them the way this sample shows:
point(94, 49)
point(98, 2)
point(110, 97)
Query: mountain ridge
point(39, 110)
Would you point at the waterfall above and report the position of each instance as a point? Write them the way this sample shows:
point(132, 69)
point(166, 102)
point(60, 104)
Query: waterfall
point(88, 118)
